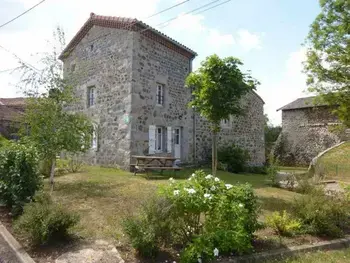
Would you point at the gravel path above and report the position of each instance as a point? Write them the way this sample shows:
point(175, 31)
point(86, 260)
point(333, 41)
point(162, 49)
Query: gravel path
point(6, 254)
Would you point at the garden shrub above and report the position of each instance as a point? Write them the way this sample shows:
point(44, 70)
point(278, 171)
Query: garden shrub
point(323, 214)
point(19, 177)
point(272, 171)
point(212, 215)
point(283, 223)
point(44, 221)
point(234, 157)
point(149, 230)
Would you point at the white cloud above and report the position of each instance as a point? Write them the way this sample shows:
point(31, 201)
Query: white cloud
point(190, 23)
point(218, 40)
point(249, 41)
point(290, 85)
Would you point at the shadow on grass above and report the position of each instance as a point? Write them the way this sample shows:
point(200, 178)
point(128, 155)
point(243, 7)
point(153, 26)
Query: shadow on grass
point(274, 204)
point(84, 189)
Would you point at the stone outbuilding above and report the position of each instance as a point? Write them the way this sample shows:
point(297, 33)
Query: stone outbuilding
point(308, 128)
point(129, 78)
point(11, 109)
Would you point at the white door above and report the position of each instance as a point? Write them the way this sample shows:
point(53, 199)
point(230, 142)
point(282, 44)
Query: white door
point(177, 144)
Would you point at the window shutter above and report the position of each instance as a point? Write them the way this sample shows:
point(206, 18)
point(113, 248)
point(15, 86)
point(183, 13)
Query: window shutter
point(152, 139)
point(169, 139)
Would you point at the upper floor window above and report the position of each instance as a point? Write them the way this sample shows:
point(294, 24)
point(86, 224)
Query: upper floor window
point(91, 96)
point(160, 94)
point(73, 67)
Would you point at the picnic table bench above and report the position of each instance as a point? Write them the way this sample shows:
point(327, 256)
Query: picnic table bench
point(148, 163)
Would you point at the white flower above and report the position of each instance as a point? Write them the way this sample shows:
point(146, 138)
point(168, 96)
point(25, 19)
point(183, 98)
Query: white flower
point(216, 179)
point(193, 175)
point(216, 252)
point(208, 196)
point(213, 188)
point(171, 180)
point(241, 205)
point(228, 186)
point(176, 192)
point(189, 179)
point(191, 191)
point(209, 176)
point(199, 260)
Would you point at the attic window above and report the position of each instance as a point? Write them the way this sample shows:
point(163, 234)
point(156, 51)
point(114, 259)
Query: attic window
point(92, 47)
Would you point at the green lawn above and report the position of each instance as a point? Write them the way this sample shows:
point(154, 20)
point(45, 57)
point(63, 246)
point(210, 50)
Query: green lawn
point(104, 196)
point(336, 163)
point(337, 256)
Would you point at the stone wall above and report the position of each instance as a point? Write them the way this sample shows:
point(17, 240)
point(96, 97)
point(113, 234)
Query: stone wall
point(125, 68)
point(154, 63)
point(104, 59)
point(305, 133)
point(246, 131)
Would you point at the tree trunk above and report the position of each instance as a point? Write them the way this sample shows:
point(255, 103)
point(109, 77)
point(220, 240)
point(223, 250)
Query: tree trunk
point(52, 173)
point(214, 153)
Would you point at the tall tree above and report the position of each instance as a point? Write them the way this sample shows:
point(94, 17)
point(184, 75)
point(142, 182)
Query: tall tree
point(328, 56)
point(46, 120)
point(218, 86)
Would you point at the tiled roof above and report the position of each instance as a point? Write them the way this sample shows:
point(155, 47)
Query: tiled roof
point(301, 103)
point(12, 101)
point(130, 24)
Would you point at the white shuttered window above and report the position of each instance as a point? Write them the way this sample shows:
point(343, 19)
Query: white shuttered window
point(169, 139)
point(152, 139)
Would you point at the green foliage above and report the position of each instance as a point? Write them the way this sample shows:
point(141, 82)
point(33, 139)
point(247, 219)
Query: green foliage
point(19, 178)
point(283, 223)
point(151, 228)
point(272, 170)
point(48, 117)
point(234, 158)
point(3, 141)
point(323, 214)
point(217, 88)
point(328, 56)
point(211, 214)
point(44, 222)
point(271, 134)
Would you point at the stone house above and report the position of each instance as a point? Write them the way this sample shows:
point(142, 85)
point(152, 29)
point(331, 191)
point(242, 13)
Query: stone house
point(130, 80)
point(307, 130)
point(11, 110)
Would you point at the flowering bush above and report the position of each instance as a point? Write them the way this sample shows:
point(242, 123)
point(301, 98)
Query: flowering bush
point(212, 216)
point(19, 178)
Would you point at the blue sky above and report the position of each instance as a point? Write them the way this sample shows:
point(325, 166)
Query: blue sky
point(265, 34)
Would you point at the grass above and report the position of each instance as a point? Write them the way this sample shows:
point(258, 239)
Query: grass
point(336, 163)
point(338, 256)
point(104, 196)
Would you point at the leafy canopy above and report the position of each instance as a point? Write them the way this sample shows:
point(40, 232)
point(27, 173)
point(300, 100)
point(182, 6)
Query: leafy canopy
point(328, 56)
point(218, 86)
point(47, 119)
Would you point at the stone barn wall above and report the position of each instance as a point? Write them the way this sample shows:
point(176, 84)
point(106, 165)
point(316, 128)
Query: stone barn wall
point(154, 63)
point(246, 131)
point(305, 133)
point(104, 59)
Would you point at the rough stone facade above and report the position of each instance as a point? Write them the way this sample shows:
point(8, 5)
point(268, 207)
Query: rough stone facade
point(125, 68)
point(305, 133)
point(246, 131)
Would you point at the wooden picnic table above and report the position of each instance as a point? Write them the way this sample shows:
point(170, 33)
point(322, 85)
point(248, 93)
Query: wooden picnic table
point(153, 162)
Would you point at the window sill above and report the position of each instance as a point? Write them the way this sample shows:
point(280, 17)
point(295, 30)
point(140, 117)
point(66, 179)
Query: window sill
point(159, 105)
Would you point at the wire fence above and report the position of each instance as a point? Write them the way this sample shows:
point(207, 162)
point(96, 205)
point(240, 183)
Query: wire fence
point(335, 171)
